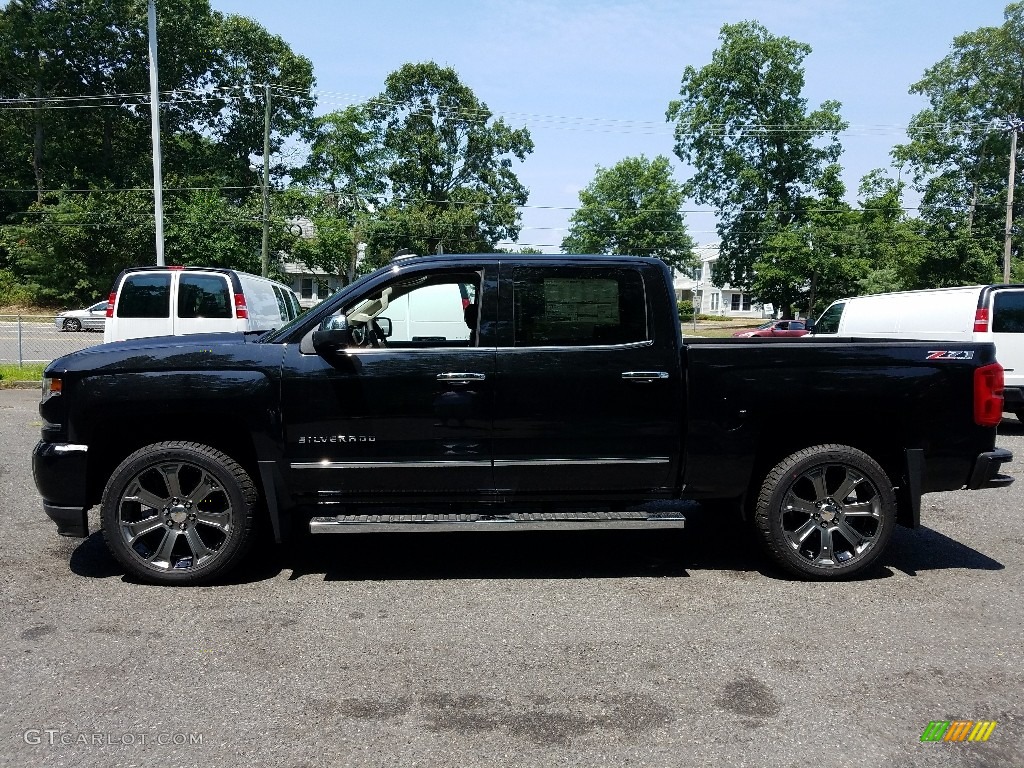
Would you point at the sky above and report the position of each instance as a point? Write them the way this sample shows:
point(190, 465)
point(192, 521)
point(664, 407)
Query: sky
point(592, 79)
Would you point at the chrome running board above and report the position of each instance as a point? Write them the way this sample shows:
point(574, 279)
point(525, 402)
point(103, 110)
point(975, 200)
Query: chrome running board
point(517, 521)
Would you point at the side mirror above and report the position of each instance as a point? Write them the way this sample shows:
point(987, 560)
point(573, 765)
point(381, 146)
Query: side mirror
point(333, 334)
point(809, 326)
point(384, 324)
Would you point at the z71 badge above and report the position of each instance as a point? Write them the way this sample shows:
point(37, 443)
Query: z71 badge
point(951, 354)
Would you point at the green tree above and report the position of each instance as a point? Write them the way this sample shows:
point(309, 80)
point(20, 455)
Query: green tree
point(960, 145)
point(339, 190)
point(815, 258)
point(889, 240)
point(68, 251)
point(438, 167)
point(743, 124)
point(634, 207)
point(71, 72)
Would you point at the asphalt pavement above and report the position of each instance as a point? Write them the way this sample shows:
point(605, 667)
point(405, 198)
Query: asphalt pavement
point(640, 648)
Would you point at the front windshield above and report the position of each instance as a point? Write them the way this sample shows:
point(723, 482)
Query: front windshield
point(763, 326)
point(829, 320)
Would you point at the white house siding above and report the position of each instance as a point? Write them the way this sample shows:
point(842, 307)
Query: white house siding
point(713, 299)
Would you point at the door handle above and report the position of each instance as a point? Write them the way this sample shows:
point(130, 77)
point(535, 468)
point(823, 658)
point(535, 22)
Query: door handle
point(644, 377)
point(461, 378)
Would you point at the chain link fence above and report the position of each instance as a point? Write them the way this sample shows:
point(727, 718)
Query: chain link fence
point(41, 338)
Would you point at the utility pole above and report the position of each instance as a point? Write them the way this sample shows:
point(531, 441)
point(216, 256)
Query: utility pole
point(1015, 125)
point(154, 118)
point(265, 251)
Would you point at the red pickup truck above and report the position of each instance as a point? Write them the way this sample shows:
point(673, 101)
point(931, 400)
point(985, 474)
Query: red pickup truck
point(776, 329)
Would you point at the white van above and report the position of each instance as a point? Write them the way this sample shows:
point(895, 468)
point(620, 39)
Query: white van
point(992, 313)
point(431, 313)
point(174, 301)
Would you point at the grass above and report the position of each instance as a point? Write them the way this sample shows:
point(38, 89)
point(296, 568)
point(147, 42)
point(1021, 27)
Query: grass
point(28, 372)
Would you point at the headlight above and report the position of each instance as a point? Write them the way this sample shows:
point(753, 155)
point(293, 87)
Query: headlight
point(52, 386)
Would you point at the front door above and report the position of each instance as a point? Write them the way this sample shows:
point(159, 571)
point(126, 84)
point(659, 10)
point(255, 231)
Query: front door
point(400, 419)
point(587, 387)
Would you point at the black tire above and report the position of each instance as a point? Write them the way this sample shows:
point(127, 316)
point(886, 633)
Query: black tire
point(178, 513)
point(826, 512)
point(1019, 413)
point(73, 324)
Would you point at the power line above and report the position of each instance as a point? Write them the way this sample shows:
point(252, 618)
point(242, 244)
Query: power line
point(553, 121)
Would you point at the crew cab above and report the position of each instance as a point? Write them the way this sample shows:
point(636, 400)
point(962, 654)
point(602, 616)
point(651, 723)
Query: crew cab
point(567, 398)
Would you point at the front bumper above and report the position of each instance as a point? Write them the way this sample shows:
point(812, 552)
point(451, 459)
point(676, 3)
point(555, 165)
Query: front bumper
point(986, 470)
point(59, 470)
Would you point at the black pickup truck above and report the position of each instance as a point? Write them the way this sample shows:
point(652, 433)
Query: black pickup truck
point(503, 392)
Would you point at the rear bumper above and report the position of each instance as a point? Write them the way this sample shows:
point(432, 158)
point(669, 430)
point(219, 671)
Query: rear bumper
point(986, 470)
point(59, 470)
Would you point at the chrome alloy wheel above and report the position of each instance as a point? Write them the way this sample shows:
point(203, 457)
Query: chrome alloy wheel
point(175, 516)
point(831, 516)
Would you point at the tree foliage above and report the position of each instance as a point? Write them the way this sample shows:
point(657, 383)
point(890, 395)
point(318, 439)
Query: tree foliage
point(757, 151)
point(430, 160)
point(634, 208)
point(815, 258)
point(75, 133)
point(960, 145)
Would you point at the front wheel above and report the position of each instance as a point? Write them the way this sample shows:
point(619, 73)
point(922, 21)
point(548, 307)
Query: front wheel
point(178, 513)
point(73, 324)
point(826, 512)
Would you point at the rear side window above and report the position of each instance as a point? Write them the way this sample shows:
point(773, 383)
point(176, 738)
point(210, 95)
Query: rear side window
point(282, 304)
point(570, 307)
point(145, 296)
point(1008, 311)
point(829, 320)
point(204, 296)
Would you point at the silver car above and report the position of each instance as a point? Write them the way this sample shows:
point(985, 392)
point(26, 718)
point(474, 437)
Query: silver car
point(91, 319)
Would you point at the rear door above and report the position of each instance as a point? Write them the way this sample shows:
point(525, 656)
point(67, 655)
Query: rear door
point(587, 383)
point(142, 307)
point(203, 303)
point(1007, 323)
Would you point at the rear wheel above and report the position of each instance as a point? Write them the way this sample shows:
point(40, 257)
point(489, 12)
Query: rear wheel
point(826, 512)
point(178, 513)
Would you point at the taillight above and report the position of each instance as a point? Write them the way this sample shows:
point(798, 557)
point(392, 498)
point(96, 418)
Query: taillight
point(981, 321)
point(110, 303)
point(988, 395)
point(241, 310)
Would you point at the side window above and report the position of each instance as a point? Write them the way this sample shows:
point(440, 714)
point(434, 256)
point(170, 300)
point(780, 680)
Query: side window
point(203, 296)
point(1008, 311)
point(571, 307)
point(796, 326)
point(829, 320)
point(441, 310)
point(145, 296)
point(282, 303)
